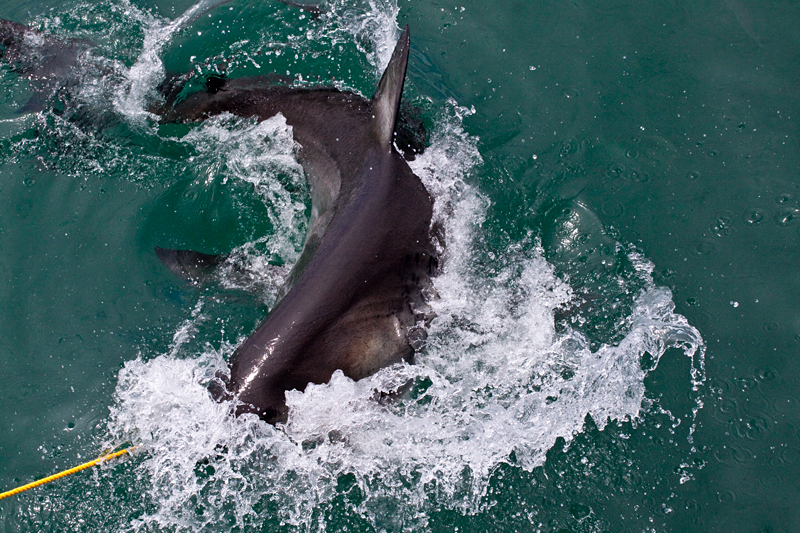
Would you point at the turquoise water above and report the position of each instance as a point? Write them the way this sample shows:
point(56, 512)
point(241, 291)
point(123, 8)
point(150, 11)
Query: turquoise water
point(616, 347)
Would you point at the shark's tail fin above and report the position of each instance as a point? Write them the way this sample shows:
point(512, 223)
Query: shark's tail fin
point(386, 100)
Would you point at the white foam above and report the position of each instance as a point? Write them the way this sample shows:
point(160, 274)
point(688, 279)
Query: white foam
point(132, 96)
point(496, 379)
point(261, 154)
point(371, 24)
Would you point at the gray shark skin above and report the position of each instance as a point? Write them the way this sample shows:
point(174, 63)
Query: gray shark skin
point(356, 292)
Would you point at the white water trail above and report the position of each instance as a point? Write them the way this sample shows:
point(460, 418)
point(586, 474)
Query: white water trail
point(133, 94)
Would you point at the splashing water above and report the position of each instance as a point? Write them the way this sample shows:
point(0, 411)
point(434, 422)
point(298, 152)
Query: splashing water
point(495, 379)
point(262, 154)
point(371, 23)
point(497, 382)
point(148, 70)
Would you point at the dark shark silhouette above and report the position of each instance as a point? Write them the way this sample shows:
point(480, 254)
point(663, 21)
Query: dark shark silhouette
point(356, 291)
point(354, 300)
point(48, 62)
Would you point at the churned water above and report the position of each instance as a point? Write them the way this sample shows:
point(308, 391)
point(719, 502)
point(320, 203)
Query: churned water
point(613, 344)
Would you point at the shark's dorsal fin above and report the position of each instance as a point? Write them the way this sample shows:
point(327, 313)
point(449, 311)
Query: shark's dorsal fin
point(386, 100)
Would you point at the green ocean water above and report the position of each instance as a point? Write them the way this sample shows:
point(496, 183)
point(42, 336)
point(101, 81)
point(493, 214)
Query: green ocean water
point(594, 163)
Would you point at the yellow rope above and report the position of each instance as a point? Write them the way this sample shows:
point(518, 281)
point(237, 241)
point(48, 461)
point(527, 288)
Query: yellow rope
point(78, 468)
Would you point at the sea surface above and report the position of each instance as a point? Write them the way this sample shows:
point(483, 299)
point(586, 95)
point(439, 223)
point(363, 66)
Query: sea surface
point(617, 340)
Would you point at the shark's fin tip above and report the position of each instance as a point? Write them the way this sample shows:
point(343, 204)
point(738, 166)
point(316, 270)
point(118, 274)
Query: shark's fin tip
point(386, 100)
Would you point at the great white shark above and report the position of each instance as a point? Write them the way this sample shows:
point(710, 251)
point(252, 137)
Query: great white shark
point(355, 299)
point(356, 291)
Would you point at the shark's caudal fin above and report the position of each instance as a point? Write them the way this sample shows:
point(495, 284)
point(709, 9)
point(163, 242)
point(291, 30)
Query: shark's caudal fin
point(386, 100)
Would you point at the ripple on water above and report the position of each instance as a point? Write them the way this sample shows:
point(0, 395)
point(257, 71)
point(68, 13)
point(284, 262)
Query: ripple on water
point(613, 178)
point(753, 216)
point(637, 176)
point(786, 216)
point(790, 454)
point(771, 479)
point(787, 405)
point(723, 224)
point(572, 92)
point(613, 209)
point(754, 427)
point(728, 406)
point(723, 454)
point(705, 247)
point(726, 497)
point(776, 462)
point(568, 147)
point(747, 383)
point(691, 505)
point(719, 385)
point(742, 454)
point(24, 208)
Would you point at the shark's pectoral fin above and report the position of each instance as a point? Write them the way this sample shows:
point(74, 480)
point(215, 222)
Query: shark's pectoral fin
point(189, 265)
point(386, 100)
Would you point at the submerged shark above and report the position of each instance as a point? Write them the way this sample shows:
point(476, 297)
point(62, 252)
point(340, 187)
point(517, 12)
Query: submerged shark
point(354, 300)
point(51, 64)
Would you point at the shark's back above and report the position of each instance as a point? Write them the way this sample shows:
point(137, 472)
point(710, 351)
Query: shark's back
point(356, 292)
